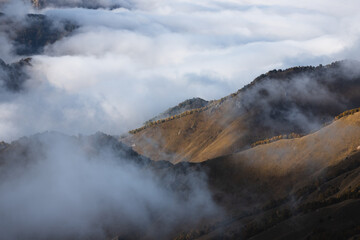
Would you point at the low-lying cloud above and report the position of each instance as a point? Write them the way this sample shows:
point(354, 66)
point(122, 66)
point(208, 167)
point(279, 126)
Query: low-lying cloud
point(137, 60)
point(70, 188)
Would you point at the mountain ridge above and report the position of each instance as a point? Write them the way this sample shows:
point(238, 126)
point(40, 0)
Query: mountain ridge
point(270, 74)
point(187, 105)
point(299, 101)
point(264, 191)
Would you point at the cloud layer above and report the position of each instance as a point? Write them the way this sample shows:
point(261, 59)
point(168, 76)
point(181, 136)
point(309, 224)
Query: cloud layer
point(74, 188)
point(132, 63)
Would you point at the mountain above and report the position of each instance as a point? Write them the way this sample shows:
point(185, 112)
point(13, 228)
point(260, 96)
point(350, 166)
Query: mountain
point(182, 107)
point(306, 187)
point(301, 188)
point(277, 159)
point(295, 101)
point(302, 184)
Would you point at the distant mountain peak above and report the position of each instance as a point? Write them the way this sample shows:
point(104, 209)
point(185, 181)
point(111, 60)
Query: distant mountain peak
point(186, 105)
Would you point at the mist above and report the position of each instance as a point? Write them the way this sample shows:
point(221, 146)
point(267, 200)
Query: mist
point(301, 99)
point(60, 187)
point(126, 64)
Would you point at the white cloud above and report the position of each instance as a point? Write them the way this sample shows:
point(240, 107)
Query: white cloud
point(73, 189)
point(136, 62)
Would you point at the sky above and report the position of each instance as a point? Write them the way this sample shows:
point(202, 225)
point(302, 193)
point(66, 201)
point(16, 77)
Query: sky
point(125, 65)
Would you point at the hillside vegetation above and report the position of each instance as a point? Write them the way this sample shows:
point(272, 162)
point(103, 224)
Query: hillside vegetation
point(187, 105)
point(295, 135)
point(289, 189)
point(297, 100)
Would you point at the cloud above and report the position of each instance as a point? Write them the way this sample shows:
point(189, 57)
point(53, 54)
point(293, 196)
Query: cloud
point(93, 4)
point(137, 61)
point(15, 9)
point(79, 188)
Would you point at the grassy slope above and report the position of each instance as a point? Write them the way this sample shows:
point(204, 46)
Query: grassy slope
point(271, 105)
point(312, 179)
point(195, 137)
point(315, 151)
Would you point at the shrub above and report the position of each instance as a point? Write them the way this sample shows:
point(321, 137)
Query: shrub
point(276, 138)
point(347, 113)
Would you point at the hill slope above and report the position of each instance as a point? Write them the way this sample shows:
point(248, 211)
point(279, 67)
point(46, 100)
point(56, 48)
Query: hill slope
point(290, 189)
point(186, 105)
point(296, 100)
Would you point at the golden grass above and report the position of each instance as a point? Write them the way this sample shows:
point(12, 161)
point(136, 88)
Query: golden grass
point(319, 149)
point(183, 114)
point(296, 135)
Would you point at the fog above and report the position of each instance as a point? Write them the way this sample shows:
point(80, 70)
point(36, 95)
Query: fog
point(125, 65)
point(72, 188)
point(301, 100)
